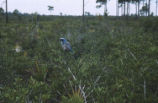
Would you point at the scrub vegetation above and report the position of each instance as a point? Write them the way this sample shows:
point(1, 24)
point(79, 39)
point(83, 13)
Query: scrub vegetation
point(114, 60)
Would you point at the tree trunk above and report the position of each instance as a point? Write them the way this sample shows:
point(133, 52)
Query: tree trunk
point(122, 12)
point(143, 6)
point(128, 8)
point(105, 8)
point(118, 10)
point(124, 8)
point(138, 8)
point(116, 7)
point(156, 6)
point(6, 11)
point(83, 11)
point(149, 8)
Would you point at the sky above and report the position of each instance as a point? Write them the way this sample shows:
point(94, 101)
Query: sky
point(66, 7)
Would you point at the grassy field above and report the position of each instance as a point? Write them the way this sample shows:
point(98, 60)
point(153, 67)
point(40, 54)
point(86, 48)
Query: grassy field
point(114, 60)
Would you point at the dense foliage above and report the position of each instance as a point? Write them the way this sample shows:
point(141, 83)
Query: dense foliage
point(114, 61)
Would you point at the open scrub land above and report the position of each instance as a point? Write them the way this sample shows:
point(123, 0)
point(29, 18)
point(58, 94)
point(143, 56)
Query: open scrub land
point(114, 60)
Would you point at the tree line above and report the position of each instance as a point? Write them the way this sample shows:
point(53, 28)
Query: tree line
point(142, 7)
